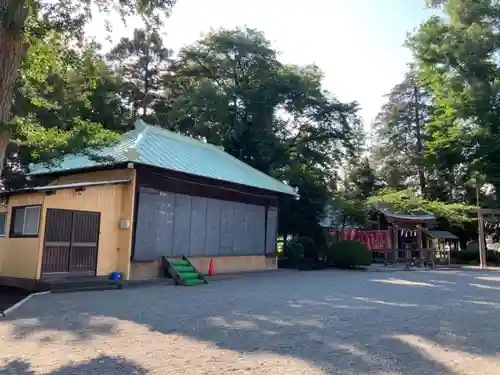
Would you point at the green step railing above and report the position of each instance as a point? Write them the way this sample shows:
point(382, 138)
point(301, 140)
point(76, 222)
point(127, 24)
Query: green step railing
point(183, 272)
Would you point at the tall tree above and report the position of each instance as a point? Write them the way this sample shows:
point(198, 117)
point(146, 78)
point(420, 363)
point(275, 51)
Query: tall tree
point(141, 62)
point(23, 22)
point(400, 134)
point(360, 180)
point(230, 89)
point(51, 109)
point(457, 56)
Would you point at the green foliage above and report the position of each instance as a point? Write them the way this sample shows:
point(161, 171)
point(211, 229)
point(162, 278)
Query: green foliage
point(348, 211)
point(400, 134)
point(348, 253)
point(471, 256)
point(296, 251)
point(230, 89)
point(54, 111)
point(48, 145)
point(141, 63)
point(410, 202)
point(457, 61)
point(360, 180)
point(49, 108)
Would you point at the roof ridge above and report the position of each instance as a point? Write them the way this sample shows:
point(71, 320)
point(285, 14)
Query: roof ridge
point(143, 130)
point(169, 133)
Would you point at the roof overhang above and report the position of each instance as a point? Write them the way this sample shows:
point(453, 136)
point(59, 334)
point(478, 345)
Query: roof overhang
point(90, 168)
point(290, 191)
point(393, 217)
point(442, 234)
point(417, 219)
point(78, 185)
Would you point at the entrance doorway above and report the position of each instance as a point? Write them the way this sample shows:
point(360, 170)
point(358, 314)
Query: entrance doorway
point(71, 243)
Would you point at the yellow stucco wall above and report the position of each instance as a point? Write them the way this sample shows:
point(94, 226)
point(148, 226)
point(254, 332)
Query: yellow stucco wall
point(235, 264)
point(223, 265)
point(22, 257)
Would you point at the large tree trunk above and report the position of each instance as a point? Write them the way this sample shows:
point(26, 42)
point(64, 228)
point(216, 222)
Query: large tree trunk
point(418, 133)
point(12, 50)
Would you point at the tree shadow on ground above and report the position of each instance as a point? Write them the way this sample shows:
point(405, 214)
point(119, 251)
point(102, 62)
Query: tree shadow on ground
point(101, 365)
point(366, 323)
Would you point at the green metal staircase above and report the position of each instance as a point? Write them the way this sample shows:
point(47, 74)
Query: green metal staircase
point(183, 272)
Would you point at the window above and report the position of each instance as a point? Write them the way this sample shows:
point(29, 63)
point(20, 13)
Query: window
point(25, 221)
point(3, 216)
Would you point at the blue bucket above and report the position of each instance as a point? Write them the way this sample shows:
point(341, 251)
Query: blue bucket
point(115, 276)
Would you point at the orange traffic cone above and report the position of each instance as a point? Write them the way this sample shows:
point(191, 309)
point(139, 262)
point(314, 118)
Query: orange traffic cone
point(211, 268)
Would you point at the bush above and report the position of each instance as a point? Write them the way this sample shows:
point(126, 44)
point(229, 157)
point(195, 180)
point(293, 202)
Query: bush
point(465, 256)
point(348, 253)
point(471, 256)
point(305, 254)
point(295, 251)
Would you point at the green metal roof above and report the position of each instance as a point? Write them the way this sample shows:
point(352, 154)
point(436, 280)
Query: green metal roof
point(159, 147)
point(385, 209)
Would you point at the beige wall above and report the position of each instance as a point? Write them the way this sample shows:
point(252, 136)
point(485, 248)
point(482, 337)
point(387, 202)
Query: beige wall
point(22, 257)
point(235, 264)
point(117, 203)
point(222, 265)
point(145, 270)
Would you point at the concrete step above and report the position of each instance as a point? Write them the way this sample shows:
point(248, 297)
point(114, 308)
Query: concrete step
point(77, 286)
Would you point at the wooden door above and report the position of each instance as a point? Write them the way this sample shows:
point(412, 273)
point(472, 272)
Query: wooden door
point(71, 242)
point(84, 242)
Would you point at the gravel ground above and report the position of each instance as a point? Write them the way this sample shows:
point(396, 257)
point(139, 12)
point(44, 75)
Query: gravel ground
point(325, 322)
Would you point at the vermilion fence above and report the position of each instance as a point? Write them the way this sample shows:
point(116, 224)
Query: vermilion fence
point(375, 240)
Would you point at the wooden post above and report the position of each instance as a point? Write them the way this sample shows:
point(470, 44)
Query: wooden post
point(420, 245)
point(395, 244)
point(386, 252)
point(449, 255)
point(480, 224)
point(482, 253)
point(432, 255)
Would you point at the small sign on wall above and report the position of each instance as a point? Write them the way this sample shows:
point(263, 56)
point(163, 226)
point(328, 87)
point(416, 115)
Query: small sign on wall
point(124, 224)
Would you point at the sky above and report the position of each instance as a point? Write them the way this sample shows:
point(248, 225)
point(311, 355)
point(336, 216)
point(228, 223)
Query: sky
point(357, 43)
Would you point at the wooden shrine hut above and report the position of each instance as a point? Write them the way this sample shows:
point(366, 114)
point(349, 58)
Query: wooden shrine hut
point(410, 235)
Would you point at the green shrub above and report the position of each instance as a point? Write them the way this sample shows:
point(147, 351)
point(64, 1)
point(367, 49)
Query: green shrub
point(471, 256)
point(295, 250)
point(348, 253)
point(466, 256)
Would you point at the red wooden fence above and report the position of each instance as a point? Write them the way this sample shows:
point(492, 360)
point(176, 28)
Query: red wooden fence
point(375, 240)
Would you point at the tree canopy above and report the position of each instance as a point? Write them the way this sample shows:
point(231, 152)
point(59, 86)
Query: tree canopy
point(42, 45)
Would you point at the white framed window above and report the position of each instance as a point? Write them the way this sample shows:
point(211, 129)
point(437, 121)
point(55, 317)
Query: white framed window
point(25, 221)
